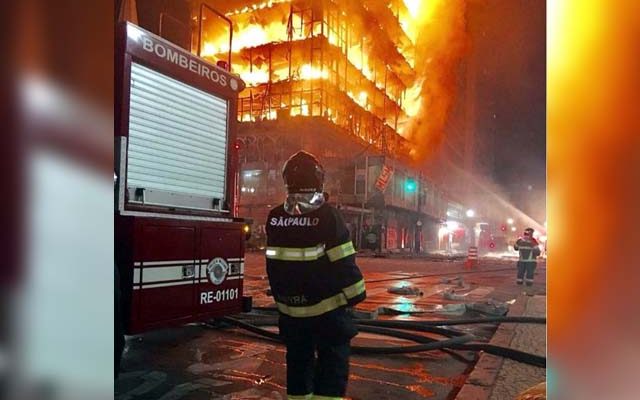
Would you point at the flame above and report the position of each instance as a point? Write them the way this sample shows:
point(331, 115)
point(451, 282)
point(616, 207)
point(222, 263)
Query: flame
point(360, 60)
point(307, 71)
point(267, 22)
point(363, 96)
point(298, 28)
point(440, 47)
point(360, 99)
point(412, 103)
point(333, 38)
point(254, 7)
point(420, 13)
point(303, 109)
point(209, 50)
point(261, 75)
point(413, 6)
point(255, 76)
point(250, 35)
point(411, 22)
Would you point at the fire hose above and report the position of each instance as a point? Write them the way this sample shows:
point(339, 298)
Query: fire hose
point(456, 340)
point(506, 352)
point(445, 322)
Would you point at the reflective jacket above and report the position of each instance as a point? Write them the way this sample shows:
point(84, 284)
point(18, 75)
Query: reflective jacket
point(529, 249)
point(311, 262)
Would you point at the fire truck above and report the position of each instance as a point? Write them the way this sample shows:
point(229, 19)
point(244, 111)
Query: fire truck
point(179, 245)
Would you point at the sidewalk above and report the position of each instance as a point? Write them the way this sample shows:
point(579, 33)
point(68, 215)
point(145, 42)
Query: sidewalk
point(436, 255)
point(495, 378)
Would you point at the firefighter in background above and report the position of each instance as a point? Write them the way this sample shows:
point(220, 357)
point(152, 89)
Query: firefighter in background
point(314, 278)
point(529, 250)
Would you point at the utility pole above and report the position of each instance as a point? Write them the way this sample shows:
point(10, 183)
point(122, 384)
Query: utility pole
point(418, 227)
point(364, 199)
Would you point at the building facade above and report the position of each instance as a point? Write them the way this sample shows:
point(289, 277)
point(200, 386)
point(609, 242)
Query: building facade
point(330, 77)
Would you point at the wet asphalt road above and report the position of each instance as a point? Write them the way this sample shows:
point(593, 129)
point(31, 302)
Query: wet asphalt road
point(199, 362)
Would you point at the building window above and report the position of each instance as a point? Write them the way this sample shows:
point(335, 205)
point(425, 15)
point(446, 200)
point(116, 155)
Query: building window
point(251, 182)
point(360, 185)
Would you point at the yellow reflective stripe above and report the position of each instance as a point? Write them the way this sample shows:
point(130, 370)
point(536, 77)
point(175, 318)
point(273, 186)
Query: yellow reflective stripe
point(320, 308)
point(295, 253)
point(341, 251)
point(316, 397)
point(354, 290)
point(325, 305)
point(302, 397)
point(530, 257)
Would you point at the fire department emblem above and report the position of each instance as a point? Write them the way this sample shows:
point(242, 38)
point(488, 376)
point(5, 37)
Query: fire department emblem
point(217, 270)
point(233, 83)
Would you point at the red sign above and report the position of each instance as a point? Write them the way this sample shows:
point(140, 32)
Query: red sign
point(392, 238)
point(385, 176)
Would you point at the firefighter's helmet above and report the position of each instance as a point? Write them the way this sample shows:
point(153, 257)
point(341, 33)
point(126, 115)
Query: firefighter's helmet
point(303, 173)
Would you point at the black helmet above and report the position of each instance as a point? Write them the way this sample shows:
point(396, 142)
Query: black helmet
point(529, 231)
point(302, 173)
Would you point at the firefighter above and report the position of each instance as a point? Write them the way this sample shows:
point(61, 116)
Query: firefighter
point(529, 250)
point(314, 278)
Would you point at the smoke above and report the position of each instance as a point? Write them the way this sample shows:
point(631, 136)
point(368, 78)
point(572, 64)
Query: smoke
point(440, 47)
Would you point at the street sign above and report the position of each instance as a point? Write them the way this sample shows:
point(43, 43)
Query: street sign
point(385, 176)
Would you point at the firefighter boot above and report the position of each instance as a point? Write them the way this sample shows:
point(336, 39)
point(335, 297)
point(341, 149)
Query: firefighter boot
point(332, 371)
point(521, 269)
point(300, 360)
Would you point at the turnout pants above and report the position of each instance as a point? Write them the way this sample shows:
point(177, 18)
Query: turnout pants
point(318, 352)
point(525, 272)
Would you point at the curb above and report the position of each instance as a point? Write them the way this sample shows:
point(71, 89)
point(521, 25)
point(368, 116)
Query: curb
point(482, 378)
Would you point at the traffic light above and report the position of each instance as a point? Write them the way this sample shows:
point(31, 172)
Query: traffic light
point(410, 185)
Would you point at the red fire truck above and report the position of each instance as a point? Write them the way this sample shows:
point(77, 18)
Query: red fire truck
point(179, 245)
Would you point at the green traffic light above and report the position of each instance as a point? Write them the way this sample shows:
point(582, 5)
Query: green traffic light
point(410, 185)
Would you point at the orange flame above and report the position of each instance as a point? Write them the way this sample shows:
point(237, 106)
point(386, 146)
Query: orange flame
point(258, 6)
point(440, 46)
point(267, 22)
point(249, 35)
point(307, 71)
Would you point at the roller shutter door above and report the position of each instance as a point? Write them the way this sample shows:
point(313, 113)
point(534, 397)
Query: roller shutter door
point(177, 142)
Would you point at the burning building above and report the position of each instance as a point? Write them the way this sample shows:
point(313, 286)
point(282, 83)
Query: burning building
point(336, 78)
point(331, 77)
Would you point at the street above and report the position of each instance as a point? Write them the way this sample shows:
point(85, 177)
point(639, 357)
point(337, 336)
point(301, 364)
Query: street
point(207, 362)
point(411, 130)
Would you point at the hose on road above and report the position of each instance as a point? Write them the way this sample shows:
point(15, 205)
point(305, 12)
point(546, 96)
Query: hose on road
point(516, 355)
point(447, 322)
point(440, 274)
point(455, 340)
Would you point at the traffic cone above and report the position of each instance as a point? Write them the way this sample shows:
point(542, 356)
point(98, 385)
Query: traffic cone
point(472, 257)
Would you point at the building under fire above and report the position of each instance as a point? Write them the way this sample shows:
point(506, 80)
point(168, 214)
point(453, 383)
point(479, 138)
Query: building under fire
point(335, 78)
point(330, 77)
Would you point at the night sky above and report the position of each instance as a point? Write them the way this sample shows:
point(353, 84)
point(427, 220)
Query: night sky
point(510, 36)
